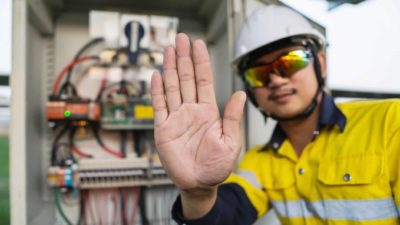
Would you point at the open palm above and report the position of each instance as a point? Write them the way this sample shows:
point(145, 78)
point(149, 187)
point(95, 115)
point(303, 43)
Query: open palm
point(197, 148)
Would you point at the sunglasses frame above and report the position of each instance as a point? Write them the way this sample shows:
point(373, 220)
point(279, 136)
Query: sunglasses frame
point(308, 55)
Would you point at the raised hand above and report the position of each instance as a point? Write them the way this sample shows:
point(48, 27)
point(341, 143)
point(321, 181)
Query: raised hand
point(197, 148)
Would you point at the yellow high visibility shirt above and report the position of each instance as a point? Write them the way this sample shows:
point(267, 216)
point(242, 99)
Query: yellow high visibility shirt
point(343, 177)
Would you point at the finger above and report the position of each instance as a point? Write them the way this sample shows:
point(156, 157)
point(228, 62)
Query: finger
point(171, 80)
point(203, 73)
point(158, 99)
point(185, 69)
point(232, 119)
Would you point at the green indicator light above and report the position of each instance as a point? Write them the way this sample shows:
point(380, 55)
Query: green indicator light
point(67, 113)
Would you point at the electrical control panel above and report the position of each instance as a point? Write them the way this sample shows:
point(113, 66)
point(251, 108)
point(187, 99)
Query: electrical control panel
point(101, 116)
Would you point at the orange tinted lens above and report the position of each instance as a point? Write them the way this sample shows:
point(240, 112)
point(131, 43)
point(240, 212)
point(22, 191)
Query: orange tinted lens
point(258, 76)
point(294, 61)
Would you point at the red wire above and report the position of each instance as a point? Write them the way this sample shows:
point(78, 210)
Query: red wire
point(104, 147)
point(115, 201)
point(80, 153)
point(112, 152)
point(102, 86)
point(136, 191)
point(66, 69)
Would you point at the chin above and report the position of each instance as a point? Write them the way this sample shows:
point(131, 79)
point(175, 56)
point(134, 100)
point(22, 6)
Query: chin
point(287, 111)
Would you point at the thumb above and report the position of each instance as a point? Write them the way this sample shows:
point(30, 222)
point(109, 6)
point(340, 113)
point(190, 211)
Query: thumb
point(232, 119)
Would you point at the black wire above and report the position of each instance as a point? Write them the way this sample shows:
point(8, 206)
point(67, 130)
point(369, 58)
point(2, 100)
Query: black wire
point(81, 208)
point(123, 208)
point(123, 88)
point(124, 139)
point(142, 206)
point(79, 54)
point(96, 134)
point(68, 84)
point(139, 142)
point(55, 144)
point(72, 133)
point(65, 87)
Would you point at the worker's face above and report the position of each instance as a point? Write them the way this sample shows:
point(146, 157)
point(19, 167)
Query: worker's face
point(288, 96)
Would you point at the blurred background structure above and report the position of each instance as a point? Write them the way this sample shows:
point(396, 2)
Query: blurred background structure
point(46, 169)
point(5, 96)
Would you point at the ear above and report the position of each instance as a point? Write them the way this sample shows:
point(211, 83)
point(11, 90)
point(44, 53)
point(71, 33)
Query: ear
point(322, 62)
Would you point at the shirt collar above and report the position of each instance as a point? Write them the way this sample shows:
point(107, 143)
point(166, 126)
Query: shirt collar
point(330, 115)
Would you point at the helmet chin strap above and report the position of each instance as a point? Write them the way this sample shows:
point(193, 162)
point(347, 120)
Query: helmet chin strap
point(306, 113)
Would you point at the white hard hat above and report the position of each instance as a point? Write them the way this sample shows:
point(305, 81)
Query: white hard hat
point(270, 24)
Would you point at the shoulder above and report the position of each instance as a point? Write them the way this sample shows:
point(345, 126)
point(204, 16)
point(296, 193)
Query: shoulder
point(370, 104)
point(385, 107)
point(383, 113)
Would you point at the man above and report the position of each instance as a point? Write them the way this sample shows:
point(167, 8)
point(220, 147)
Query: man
point(324, 164)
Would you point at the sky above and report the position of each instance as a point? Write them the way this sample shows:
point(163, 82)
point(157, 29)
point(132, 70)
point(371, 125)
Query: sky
point(364, 47)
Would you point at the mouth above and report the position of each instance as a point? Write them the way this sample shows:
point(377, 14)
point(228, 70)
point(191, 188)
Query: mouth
point(281, 96)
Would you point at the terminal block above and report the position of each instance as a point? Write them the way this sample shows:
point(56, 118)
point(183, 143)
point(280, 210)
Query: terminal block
point(63, 176)
point(158, 175)
point(127, 172)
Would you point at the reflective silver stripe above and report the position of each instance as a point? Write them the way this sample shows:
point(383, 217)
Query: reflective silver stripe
point(355, 210)
point(292, 209)
point(249, 177)
point(398, 211)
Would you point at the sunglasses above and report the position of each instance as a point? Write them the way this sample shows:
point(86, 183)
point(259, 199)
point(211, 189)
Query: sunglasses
point(285, 66)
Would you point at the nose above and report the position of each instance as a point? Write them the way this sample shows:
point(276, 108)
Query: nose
point(276, 80)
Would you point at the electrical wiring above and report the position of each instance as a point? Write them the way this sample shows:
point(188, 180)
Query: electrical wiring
point(95, 130)
point(67, 200)
point(63, 151)
point(91, 208)
point(74, 148)
point(142, 206)
point(59, 207)
point(82, 154)
point(81, 215)
point(139, 144)
point(87, 208)
point(124, 139)
point(123, 206)
point(136, 193)
point(55, 144)
point(99, 205)
point(67, 83)
point(103, 85)
point(81, 51)
point(68, 68)
point(65, 87)
point(115, 203)
point(121, 83)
